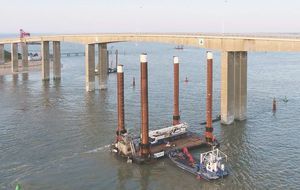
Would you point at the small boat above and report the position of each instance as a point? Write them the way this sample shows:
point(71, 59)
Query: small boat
point(218, 118)
point(159, 136)
point(34, 57)
point(285, 100)
point(112, 70)
point(179, 47)
point(211, 165)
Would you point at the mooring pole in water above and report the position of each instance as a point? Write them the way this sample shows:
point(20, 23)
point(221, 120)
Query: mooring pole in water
point(133, 81)
point(209, 128)
point(116, 52)
point(120, 82)
point(176, 116)
point(274, 105)
point(145, 149)
point(186, 79)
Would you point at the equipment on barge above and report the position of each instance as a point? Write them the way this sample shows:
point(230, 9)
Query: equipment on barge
point(162, 135)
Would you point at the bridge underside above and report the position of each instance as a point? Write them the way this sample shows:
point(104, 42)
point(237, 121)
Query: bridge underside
point(233, 60)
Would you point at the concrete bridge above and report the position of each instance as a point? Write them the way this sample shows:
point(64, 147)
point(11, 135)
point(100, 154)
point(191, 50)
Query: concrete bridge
point(233, 58)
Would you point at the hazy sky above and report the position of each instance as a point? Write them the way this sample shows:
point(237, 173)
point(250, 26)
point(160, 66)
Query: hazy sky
point(92, 16)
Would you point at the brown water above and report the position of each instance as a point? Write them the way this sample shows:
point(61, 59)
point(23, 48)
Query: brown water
point(55, 135)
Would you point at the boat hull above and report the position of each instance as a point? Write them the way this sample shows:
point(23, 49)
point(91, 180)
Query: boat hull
point(179, 159)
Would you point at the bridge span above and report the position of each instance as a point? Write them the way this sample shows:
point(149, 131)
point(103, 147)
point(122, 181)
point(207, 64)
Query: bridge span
point(233, 50)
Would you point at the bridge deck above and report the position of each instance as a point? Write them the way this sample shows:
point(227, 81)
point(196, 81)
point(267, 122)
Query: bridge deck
point(215, 42)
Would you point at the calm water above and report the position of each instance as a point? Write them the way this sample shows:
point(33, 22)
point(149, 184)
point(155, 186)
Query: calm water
point(55, 135)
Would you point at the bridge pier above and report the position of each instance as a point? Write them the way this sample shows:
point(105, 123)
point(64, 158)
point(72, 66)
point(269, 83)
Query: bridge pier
point(24, 56)
point(240, 85)
point(90, 67)
point(233, 86)
point(45, 61)
point(2, 60)
point(14, 57)
point(56, 61)
point(102, 65)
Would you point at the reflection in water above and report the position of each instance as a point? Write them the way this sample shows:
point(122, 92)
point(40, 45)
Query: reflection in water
point(25, 76)
point(132, 172)
point(145, 174)
point(57, 86)
point(15, 78)
point(2, 79)
point(235, 142)
point(45, 94)
point(233, 138)
point(125, 174)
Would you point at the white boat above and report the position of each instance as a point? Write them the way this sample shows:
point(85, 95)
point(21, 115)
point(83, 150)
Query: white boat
point(168, 133)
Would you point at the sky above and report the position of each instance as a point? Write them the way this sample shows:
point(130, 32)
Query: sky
point(119, 16)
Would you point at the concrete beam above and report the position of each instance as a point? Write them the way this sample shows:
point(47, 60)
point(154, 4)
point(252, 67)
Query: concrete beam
point(14, 57)
point(103, 66)
point(56, 61)
point(216, 42)
point(227, 87)
point(240, 85)
point(90, 67)
point(24, 56)
point(45, 61)
point(2, 54)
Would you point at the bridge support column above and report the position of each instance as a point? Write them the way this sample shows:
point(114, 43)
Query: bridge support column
point(240, 85)
point(233, 86)
point(90, 67)
point(2, 59)
point(45, 61)
point(56, 61)
point(14, 57)
point(103, 66)
point(24, 56)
